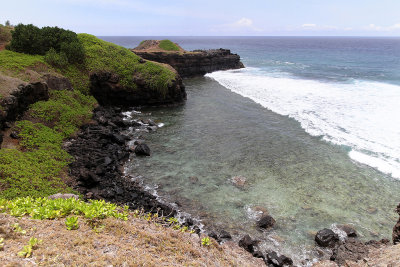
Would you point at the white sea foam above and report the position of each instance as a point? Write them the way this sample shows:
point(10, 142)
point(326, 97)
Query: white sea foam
point(363, 115)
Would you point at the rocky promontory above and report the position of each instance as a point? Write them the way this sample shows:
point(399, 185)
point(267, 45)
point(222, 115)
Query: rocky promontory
point(190, 63)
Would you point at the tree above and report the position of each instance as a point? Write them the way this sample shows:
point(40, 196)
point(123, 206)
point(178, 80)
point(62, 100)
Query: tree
point(8, 24)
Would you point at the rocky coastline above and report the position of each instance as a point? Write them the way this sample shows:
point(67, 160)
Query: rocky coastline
point(195, 63)
point(102, 147)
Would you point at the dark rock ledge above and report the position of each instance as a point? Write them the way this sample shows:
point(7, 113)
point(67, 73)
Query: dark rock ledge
point(195, 63)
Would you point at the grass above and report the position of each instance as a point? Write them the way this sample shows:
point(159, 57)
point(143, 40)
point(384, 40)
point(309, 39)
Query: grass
point(66, 110)
point(38, 168)
point(105, 56)
point(14, 61)
point(168, 45)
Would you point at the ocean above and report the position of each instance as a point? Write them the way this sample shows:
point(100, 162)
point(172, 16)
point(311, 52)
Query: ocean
point(313, 123)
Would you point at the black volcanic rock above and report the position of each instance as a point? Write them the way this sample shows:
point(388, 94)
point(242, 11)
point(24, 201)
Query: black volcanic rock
point(196, 63)
point(266, 222)
point(106, 88)
point(18, 102)
point(142, 150)
point(326, 238)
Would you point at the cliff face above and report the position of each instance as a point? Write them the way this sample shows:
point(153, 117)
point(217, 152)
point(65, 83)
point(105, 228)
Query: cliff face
point(107, 89)
point(196, 63)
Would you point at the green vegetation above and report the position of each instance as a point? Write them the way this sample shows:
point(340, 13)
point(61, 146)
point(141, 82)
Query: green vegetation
point(206, 241)
point(58, 60)
point(44, 208)
point(37, 170)
point(72, 223)
point(168, 45)
point(105, 56)
point(30, 39)
point(18, 229)
point(13, 61)
point(26, 251)
point(1, 243)
point(66, 110)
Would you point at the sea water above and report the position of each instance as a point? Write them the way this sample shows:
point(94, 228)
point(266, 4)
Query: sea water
point(313, 123)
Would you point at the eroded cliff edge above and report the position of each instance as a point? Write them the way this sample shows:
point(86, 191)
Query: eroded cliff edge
point(189, 63)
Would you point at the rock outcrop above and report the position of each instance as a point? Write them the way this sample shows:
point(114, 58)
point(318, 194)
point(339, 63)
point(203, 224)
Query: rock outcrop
point(107, 89)
point(19, 100)
point(396, 229)
point(197, 62)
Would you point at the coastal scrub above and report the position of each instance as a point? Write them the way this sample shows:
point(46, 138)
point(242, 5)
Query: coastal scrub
point(168, 45)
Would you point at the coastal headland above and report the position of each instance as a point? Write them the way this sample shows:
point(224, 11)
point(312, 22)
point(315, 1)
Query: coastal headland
point(63, 130)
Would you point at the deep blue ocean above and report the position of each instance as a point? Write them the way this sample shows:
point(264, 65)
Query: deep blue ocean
point(313, 123)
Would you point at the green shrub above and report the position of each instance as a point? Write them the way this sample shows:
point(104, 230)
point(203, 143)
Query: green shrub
point(55, 59)
point(67, 110)
point(72, 223)
point(44, 208)
point(26, 251)
point(168, 45)
point(29, 39)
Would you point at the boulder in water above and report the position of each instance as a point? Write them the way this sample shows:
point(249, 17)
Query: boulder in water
point(142, 150)
point(266, 222)
point(326, 238)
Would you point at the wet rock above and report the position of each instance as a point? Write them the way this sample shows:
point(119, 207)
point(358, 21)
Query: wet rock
point(273, 259)
point(239, 181)
point(247, 243)
point(266, 222)
point(326, 238)
point(97, 166)
point(142, 150)
point(348, 229)
point(224, 235)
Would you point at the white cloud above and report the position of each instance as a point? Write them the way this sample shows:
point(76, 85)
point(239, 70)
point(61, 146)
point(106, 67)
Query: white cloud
point(373, 27)
point(243, 22)
point(309, 25)
point(242, 25)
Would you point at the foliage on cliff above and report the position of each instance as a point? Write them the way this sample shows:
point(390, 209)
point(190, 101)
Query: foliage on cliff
point(30, 39)
point(37, 169)
point(168, 45)
point(105, 56)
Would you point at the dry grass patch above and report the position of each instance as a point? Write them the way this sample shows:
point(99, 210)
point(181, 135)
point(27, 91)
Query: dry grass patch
point(135, 242)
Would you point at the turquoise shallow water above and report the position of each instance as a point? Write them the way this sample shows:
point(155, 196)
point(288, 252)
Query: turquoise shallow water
point(305, 182)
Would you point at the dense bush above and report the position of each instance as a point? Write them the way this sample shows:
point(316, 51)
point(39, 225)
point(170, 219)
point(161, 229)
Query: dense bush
point(30, 39)
point(55, 59)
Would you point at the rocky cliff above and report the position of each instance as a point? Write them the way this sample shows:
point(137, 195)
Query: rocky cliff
point(108, 90)
point(195, 63)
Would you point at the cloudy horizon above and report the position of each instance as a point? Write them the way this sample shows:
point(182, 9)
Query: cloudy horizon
point(210, 18)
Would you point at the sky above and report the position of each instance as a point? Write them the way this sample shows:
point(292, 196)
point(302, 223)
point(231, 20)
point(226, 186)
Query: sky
point(210, 17)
